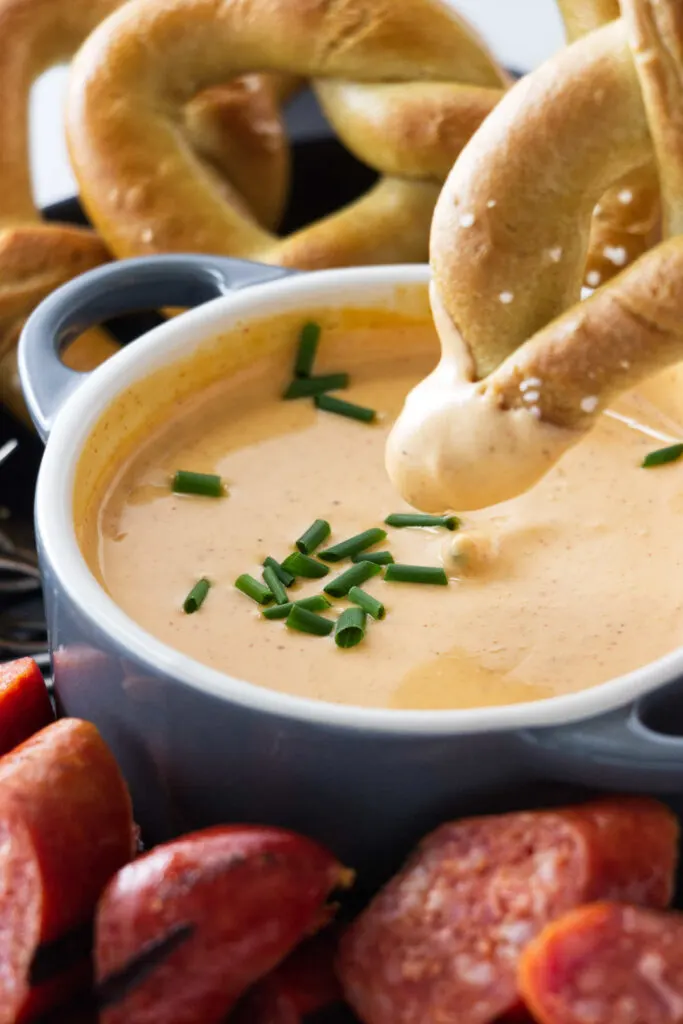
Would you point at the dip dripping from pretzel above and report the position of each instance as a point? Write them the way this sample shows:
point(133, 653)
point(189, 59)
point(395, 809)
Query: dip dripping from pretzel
point(526, 368)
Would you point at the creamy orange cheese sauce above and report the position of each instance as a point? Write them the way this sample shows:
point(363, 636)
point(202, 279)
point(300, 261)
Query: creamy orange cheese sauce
point(575, 582)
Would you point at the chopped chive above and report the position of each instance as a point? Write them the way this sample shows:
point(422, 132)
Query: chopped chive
point(254, 589)
point(353, 412)
point(275, 585)
point(195, 599)
point(282, 574)
point(308, 622)
point(350, 627)
point(309, 387)
point(313, 537)
point(663, 455)
point(353, 577)
point(209, 485)
point(401, 519)
point(367, 602)
point(316, 603)
point(378, 557)
point(415, 574)
point(352, 546)
point(302, 565)
point(308, 346)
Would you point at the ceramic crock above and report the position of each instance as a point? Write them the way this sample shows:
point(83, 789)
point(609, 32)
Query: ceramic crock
point(199, 747)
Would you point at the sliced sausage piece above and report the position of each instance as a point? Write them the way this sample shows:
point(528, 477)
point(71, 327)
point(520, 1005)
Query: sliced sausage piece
point(240, 899)
point(606, 963)
point(65, 828)
point(441, 941)
point(24, 703)
point(304, 983)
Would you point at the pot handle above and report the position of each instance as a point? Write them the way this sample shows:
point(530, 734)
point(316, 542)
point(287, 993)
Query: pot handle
point(638, 747)
point(127, 286)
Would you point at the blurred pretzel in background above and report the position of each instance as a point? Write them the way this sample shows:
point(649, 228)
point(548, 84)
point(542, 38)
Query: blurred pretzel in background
point(404, 84)
point(525, 367)
point(235, 131)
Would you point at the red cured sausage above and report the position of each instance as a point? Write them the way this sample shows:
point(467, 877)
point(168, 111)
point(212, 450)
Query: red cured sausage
point(606, 963)
point(65, 827)
point(303, 984)
point(246, 895)
point(24, 703)
point(441, 941)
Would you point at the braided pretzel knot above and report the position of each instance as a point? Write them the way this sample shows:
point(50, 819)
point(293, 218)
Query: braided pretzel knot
point(515, 387)
point(36, 257)
point(144, 190)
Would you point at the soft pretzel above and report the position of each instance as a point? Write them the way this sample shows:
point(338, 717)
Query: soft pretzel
point(525, 371)
point(626, 218)
point(145, 191)
point(235, 129)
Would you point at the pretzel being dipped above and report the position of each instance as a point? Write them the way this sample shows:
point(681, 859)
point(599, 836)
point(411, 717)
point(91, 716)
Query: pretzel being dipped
point(145, 192)
point(524, 373)
point(626, 218)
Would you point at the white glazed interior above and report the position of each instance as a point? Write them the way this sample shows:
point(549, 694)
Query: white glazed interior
point(358, 287)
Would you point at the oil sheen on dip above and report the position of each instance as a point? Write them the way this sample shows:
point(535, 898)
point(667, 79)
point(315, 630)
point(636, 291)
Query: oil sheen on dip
point(575, 582)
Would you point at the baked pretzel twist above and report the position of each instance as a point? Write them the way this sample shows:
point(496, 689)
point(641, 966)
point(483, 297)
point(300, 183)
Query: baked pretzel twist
point(235, 129)
point(404, 84)
point(525, 369)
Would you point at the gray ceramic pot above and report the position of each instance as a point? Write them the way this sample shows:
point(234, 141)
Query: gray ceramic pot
point(199, 747)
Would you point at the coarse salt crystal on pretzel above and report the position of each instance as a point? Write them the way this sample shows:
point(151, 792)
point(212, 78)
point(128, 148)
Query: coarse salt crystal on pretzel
point(396, 86)
point(475, 433)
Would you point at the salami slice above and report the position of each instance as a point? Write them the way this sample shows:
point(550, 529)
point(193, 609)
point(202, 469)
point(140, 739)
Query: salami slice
point(441, 941)
point(239, 899)
point(606, 963)
point(24, 702)
point(65, 827)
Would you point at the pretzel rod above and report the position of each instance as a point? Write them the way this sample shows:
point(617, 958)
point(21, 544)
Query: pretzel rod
point(145, 191)
point(500, 410)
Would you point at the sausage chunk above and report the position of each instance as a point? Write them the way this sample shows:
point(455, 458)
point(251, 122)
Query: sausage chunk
point(606, 963)
point(441, 941)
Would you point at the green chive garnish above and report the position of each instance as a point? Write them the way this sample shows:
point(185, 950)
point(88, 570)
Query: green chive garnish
point(352, 546)
point(316, 603)
point(313, 537)
point(302, 565)
point(309, 387)
point(350, 627)
point(308, 346)
point(353, 412)
point(401, 519)
point(308, 622)
point(275, 585)
point(663, 455)
point(282, 574)
point(195, 599)
point(254, 589)
point(367, 602)
point(415, 574)
point(378, 557)
point(353, 577)
point(209, 485)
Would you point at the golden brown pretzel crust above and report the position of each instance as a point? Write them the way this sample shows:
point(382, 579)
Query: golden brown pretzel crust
point(583, 16)
point(236, 130)
point(511, 228)
point(145, 191)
